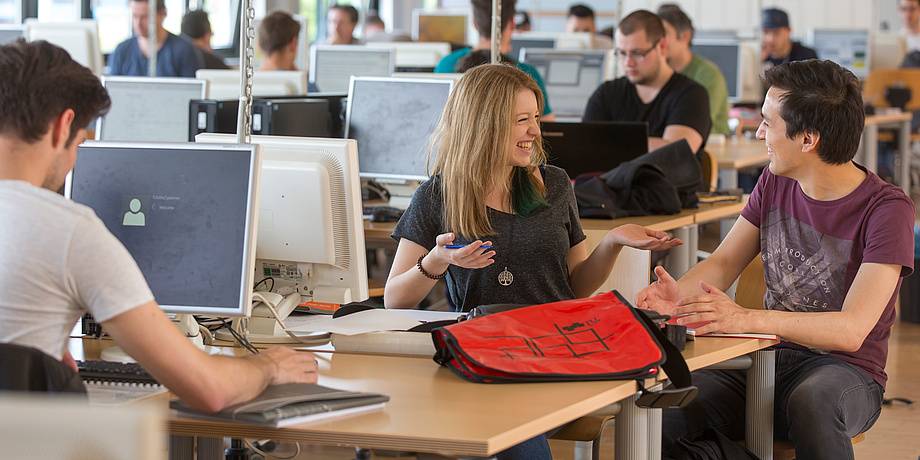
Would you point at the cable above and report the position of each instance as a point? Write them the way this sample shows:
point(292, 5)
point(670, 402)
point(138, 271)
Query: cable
point(271, 308)
point(267, 455)
point(268, 278)
point(239, 337)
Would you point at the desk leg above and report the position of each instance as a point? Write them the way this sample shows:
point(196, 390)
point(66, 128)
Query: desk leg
point(904, 151)
point(631, 432)
point(870, 148)
point(682, 257)
point(728, 178)
point(758, 436)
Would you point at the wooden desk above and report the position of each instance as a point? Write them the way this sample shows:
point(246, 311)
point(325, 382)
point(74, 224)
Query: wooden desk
point(869, 144)
point(736, 154)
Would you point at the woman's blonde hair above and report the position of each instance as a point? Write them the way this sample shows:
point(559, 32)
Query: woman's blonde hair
point(472, 143)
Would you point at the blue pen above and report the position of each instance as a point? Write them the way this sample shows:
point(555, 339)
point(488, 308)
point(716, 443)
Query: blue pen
point(458, 246)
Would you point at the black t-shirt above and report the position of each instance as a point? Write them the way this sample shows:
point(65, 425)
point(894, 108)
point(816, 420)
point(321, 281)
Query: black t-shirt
point(797, 53)
point(533, 248)
point(681, 101)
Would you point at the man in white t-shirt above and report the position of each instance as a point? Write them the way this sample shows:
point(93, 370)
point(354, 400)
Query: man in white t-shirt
point(60, 261)
point(909, 10)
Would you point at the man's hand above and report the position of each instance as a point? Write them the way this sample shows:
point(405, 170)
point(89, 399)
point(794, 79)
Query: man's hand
point(661, 295)
point(291, 366)
point(723, 314)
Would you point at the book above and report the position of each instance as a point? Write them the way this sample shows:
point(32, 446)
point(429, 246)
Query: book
point(290, 404)
point(123, 393)
point(691, 330)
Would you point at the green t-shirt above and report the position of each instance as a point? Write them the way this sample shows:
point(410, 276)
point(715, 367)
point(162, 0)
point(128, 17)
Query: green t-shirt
point(704, 72)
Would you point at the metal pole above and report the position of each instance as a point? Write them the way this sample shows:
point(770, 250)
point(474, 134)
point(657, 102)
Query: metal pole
point(496, 31)
point(152, 43)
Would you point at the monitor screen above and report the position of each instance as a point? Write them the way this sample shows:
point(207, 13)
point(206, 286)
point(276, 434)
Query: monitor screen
point(392, 119)
point(593, 147)
point(726, 55)
point(848, 48)
point(519, 43)
point(571, 77)
point(149, 109)
point(185, 212)
point(440, 26)
point(331, 66)
point(8, 33)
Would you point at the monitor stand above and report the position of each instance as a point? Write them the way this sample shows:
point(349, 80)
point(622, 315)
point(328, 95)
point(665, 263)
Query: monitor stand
point(400, 192)
point(262, 326)
point(185, 322)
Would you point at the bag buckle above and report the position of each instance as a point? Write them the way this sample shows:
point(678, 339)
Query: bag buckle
point(668, 398)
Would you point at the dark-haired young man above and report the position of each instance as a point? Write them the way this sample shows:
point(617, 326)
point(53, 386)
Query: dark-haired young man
point(675, 106)
point(278, 40)
point(175, 56)
point(835, 241)
point(482, 19)
point(580, 19)
point(340, 25)
point(60, 261)
point(196, 28)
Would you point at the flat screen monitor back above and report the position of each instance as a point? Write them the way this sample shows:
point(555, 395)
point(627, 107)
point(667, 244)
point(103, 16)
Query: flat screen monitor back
point(848, 48)
point(593, 147)
point(392, 120)
point(571, 77)
point(9, 32)
point(726, 55)
point(149, 109)
point(332, 66)
point(185, 212)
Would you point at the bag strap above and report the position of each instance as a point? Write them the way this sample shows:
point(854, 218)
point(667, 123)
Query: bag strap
point(683, 391)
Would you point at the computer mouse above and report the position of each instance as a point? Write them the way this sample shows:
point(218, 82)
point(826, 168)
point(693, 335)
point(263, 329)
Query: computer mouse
point(385, 215)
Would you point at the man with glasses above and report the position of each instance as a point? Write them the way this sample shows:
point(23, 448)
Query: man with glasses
point(675, 106)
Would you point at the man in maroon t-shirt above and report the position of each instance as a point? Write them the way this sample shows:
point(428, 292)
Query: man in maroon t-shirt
point(835, 241)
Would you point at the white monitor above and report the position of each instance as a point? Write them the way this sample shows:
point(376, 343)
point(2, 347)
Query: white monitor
point(186, 213)
point(555, 40)
point(331, 66)
point(225, 83)
point(437, 76)
point(149, 109)
point(10, 32)
point(79, 38)
point(303, 46)
point(442, 26)
point(571, 77)
point(311, 231)
point(726, 54)
point(849, 48)
point(415, 57)
point(392, 119)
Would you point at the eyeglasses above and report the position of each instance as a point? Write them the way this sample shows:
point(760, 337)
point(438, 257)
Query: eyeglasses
point(637, 56)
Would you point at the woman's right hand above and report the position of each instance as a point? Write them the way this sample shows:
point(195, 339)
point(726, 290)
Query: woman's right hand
point(469, 256)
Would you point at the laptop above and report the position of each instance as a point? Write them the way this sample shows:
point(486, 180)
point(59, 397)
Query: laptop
point(593, 146)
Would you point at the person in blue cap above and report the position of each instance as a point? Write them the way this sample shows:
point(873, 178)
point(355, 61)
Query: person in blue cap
point(776, 46)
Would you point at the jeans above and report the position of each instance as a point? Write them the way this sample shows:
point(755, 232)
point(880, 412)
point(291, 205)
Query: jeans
point(820, 402)
point(532, 449)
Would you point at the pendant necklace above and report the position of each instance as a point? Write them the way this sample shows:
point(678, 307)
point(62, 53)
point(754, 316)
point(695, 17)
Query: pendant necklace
point(505, 278)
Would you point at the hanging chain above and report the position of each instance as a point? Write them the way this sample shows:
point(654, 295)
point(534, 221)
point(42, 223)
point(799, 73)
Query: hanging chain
point(244, 127)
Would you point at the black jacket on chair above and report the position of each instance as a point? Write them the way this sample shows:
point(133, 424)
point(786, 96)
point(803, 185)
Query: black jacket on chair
point(29, 369)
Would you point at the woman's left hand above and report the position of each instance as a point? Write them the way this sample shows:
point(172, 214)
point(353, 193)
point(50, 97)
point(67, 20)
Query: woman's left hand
point(639, 237)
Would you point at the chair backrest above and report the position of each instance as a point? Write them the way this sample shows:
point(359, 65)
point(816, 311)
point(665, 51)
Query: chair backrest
point(751, 285)
point(710, 171)
point(29, 369)
point(878, 80)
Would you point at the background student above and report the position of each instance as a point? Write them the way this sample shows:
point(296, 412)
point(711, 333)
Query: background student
point(175, 56)
point(278, 33)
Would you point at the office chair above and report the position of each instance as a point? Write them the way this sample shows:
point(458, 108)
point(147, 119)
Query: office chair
point(29, 369)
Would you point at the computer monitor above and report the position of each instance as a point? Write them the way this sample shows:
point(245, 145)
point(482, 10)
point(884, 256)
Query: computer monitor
point(79, 38)
point(10, 32)
point(848, 48)
point(186, 212)
point(225, 83)
point(726, 55)
point(392, 119)
point(571, 76)
point(311, 232)
point(556, 40)
point(303, 45)
point(415, 57)
point(331, 66)
point(149, 109)
point(593, 147)
point(441, 26)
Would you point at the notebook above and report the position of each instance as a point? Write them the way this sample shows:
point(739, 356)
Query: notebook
point(593, 146)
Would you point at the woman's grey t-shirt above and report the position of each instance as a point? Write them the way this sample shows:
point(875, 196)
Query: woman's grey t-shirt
point(533, 248)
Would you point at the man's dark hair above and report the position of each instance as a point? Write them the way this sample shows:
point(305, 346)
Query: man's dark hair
point(348, 9)
point(276, 31)
point(195, 24)
point(642, 20)
point(581, 11)
point(482, 15)
point(673, 15)
point(373, 18)
point(824, 98)
point(477, 58)
point(38, 82)
point(161, 4)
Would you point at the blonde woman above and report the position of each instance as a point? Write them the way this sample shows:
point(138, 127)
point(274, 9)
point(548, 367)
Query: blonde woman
point(514, 216)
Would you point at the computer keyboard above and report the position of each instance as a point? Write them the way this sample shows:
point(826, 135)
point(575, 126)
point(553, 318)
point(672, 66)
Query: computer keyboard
point(382, 213)
point(106, 371)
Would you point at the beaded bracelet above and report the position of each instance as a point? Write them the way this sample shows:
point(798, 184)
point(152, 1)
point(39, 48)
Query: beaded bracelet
point(425, 272)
